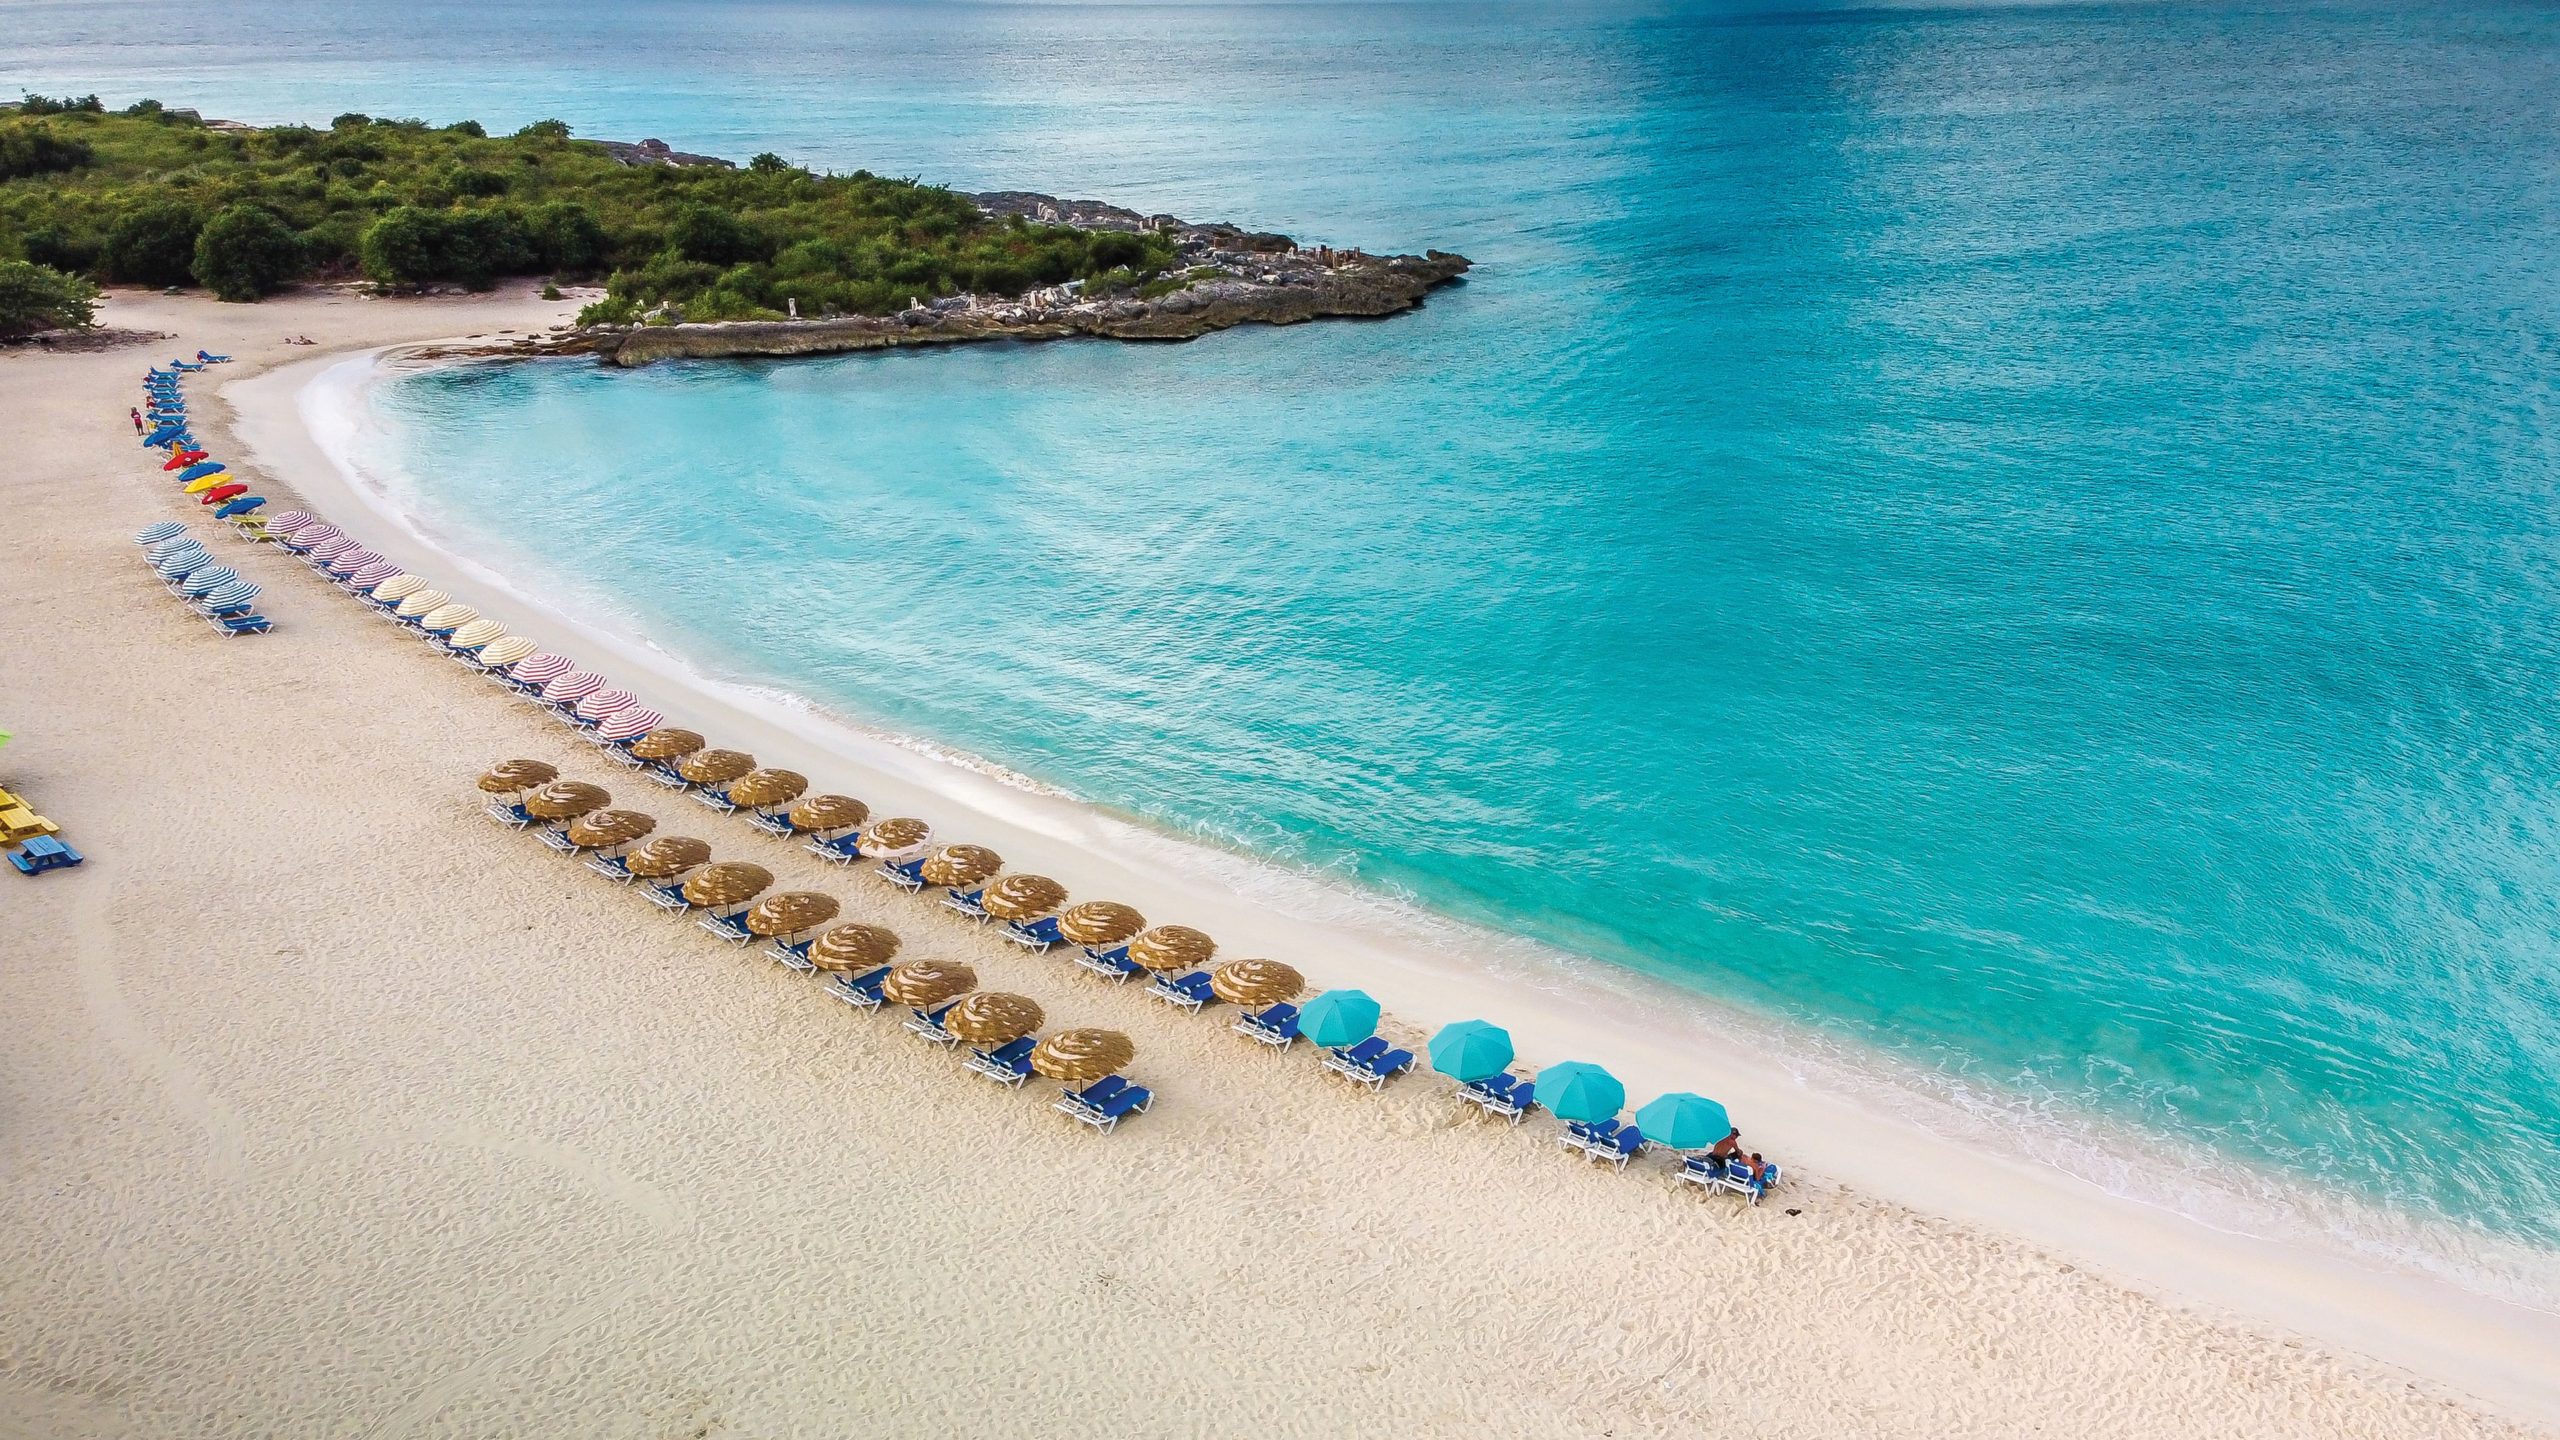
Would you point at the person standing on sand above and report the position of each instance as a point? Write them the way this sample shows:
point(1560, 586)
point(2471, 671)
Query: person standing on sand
point(137, 420)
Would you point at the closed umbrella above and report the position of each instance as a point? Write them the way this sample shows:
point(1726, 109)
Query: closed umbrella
point(1471, 1050)
point(853, 947)
point(628, 724)
point(610, 827)
point(666, 744)
point(508, 776)
point(1080, 1057)
point(731, 882)
point(1255, 983)
point(1100, 922)
point(821, 813)
point(954, 866)
point(893, 838)
point(1683, 1121)
point(925, 983)
point(1172, 947)
point(993, 1017)
point(666, 856)
point(1576, 1091)
point(1339, 1017)
point(791, 912)
point(1022, 897)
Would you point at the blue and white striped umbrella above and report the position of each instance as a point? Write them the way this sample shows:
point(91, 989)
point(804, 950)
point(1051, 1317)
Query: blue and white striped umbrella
point(238, 592)
point(207, 580)
point(186, 562)
point(155, 534)
point(178, 544)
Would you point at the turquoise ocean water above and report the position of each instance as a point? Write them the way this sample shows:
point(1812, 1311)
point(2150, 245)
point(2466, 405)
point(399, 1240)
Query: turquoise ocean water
point(2019, 535)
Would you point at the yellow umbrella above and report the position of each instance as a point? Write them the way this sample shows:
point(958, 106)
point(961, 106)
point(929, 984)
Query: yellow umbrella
point(422, 601)
point(399, 587)
point(893, 836)
point(477, 633)
point(853, 947)
point(562, 799)
point(507, 651)
point(714, 767)
point(828, 812)
point(509, 776)
point(666, 744)
point(923, 983)
point(1172, 947)
point(1022, 897)
point(666, 857)
point(1077, 1057)
point(1255, 983)
point(449, 617)
point(1100, 922)
point(790, 912)
point(610, 827)
point(759, 788)
point(992, 1017)
point(202, 483)
point(731, 882)
point(954, 865)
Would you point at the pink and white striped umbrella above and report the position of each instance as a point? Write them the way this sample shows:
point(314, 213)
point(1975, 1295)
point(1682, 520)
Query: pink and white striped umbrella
point(576, 685)
point(328, 550)
point(605, 702)
point(374, 574)
point(353, 561)
point(539, 669)
point(290, 521)
point(309, 536)
point(629, 723)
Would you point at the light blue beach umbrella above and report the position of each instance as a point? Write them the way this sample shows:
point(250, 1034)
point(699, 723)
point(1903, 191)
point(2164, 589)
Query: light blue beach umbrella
point(241, 506)
point(1683, 1121)
point(1576, 1091)
point(1471, 1050)
point(201, 469)
point(1339, 1017)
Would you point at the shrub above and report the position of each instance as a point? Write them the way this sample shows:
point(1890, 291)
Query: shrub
point(545, 130)
point(568, 239)
point(154, 245)
point(38, 297)
point(33, 149)
point(246, 252)
point(33, 104)
point(405, 247)
point(768, 163)
point(716, 237)
point(64, 250)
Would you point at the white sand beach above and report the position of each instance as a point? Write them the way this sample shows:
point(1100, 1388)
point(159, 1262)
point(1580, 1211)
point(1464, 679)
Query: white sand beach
point(333, 1109)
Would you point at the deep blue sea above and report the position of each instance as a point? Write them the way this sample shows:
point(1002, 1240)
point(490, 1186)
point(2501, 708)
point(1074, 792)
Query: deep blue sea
point(2022, 535)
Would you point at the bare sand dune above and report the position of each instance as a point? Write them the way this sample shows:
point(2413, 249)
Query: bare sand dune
point(333, 1109)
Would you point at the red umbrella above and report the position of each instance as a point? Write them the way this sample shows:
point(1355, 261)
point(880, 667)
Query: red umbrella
point(220, 493)
point(183, 459)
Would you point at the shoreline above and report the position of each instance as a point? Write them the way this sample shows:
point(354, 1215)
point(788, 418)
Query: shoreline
point(307, 1039)
point(1830, 1113)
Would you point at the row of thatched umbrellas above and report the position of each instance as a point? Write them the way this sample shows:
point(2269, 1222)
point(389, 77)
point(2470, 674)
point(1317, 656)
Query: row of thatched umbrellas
point(584, 820)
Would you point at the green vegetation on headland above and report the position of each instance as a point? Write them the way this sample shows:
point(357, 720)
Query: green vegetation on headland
point(153, 196)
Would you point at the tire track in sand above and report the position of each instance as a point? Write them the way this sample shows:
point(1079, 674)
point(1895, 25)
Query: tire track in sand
point(93, 942)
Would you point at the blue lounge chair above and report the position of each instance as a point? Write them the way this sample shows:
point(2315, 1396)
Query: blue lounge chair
point(659, 770)
point(611, 867)
point(928, 1024)
point(43, 853)
point(230, 625)
point(667, 895)
point(717, 798)
point(1506, 1095)
point(839, 851)
point(968, 902)
point(772, 821)
point(1112, 964)
point(1105, 1102)
point(1276, 1027)
point(510, 814)
point(1703, 1171)
point(793, 953)
point(1616, 1144)
point(859, 990)
point(729, 925)
point(211, 359)
point(1372, 1062)
point(1188, 991)
point(1007, 1064)
point(556, 836)
point(1037, 934)
point(905, 874)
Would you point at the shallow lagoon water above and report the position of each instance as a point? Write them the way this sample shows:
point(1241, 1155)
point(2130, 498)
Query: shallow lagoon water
point(2021, 536)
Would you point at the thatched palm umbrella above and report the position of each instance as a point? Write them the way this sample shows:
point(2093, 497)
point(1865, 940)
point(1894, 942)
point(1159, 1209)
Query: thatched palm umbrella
point(821, 813)
point(565, 799)
point(790, 912)
point(666, 856)
point(896, 836)
point(1100, 922)
point(508, 777)
point(667, 744)
point(954, 866)
point(758, 789)
point(609, 827)
point(1172, 947)
point(853, 947)
point(926, 983)
point(1022, 897)
point(715, 767)
point(992, 1017)
point(1080, 1057)
point(731, 882)
point(1256, 983)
